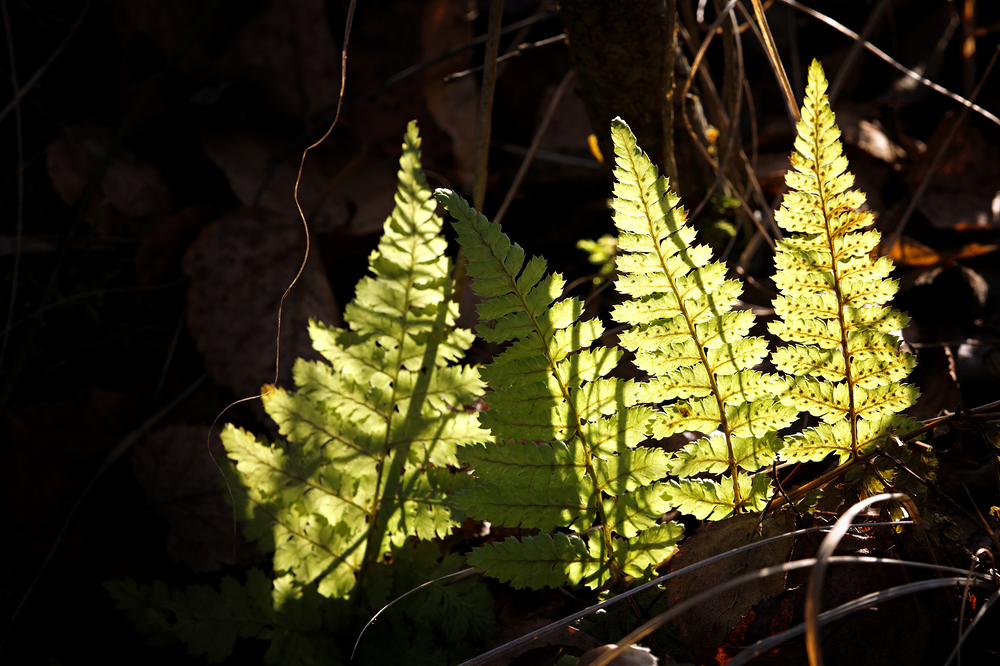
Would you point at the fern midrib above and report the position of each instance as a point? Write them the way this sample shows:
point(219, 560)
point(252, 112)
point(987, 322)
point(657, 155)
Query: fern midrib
point(842, 319)
point(392, 476)
point(564, 388)
point(723, 421)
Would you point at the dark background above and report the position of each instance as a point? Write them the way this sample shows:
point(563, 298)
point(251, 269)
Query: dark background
point(152, 168)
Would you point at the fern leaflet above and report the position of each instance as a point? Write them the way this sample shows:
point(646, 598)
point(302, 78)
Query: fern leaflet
point(564, 453)
point(687, 336)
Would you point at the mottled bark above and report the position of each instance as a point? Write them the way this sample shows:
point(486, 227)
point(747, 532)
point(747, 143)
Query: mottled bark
point(623, 53)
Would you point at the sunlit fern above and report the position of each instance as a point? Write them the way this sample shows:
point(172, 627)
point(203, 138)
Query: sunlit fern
point(364, 470)
point(565, 451)
point(687, 336)
point(844, 360)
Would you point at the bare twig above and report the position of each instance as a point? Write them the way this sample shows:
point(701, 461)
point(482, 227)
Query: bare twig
point(484, 132)
point(932, 168)
point(21, 91)
point(486, 105)
point(514, 53)
point(19, 130)
point(775, 60)
point(535, 142)
point(885, 57)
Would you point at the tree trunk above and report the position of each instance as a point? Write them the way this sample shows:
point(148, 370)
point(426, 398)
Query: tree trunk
point(624, 57)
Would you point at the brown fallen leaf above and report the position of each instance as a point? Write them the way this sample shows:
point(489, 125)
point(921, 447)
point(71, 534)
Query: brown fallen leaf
point(344, 189)
point(962, 193)
point(157, 259)
point(184, 486)
point(454, 105)
point(707, 626)
point(287, 50)
point(133, 196)
point(239, 267)
point(283, 48)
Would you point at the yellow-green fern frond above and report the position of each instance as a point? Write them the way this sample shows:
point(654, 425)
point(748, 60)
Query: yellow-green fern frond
point(565, 433)
point(843, 361)
point(686, 334)
point(370, 432)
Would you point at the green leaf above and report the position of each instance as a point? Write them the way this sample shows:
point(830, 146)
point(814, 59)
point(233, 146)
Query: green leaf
point(845, 364)
point(687, 334)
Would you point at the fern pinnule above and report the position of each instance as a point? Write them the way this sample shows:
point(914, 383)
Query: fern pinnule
point(686, 334)
point(371, 432)
point(843, 359)
point(565, 433)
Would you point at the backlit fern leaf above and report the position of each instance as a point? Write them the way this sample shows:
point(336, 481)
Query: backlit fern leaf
point(687, 336)
point(844, 362)
point(565, 434)
point(370, 433)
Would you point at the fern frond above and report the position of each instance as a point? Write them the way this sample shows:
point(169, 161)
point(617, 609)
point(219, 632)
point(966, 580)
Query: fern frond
point(686, 334)
point(369, 433)
point(565, 433)
point(843, 362)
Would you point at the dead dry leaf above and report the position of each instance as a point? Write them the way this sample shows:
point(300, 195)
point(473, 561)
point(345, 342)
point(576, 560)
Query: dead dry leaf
point(184, 486)
point(454, 106)
point(287, 50)
point(239, 267)
point(707, 626)
point(963, 192)
point(343, 189)
point(133, 196)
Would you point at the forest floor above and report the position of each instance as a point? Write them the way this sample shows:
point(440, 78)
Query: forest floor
point(149, 174)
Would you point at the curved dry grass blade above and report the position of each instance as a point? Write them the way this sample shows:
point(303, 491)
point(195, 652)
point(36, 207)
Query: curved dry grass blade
point(972, 625)
point(558, 624)
point(884, 56)
point(825, 554)
point(458, 575)
point(688, 604)
point(772, 54)
point(767, 644)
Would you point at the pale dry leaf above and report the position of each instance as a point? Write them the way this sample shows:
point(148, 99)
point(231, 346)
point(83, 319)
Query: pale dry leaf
point(184, 486)
point(238, 268)
point(707, 626)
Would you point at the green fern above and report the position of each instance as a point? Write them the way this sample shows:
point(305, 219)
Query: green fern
point(565, 450)
point(687, 336)
point(370, 438)
point(844, 361)
point(370, 434)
